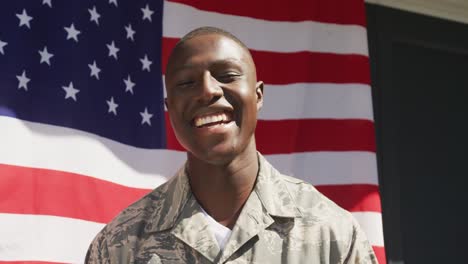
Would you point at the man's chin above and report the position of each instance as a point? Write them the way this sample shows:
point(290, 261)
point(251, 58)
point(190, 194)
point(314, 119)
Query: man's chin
point(217, 155)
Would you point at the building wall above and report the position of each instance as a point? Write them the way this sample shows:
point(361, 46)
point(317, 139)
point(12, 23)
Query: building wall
point(455, 10)
point(419, 70)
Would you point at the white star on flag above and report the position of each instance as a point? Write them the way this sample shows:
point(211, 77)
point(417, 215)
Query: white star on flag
point(113, 2)
point(47, 2)
point(2, 44)
point(112, 106)
point(147, 13)
point(72, 32)
point(45, 56)
point(130, 32)
point(24, 19)
point(70, 91)
point(112, 50)
point(94, 15)
point(129, 85)
point(23, 81)
point(146, 63)
point(146, 117)
point(94, 70)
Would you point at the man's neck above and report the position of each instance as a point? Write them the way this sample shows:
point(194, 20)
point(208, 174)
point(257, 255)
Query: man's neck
point(222, 190)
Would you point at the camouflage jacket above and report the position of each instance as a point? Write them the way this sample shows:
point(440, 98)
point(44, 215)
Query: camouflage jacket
point(284, 220)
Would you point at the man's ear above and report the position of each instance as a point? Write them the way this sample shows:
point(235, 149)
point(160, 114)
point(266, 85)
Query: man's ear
point(259, 92)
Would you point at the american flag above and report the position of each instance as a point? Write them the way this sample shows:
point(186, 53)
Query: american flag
point(84, 132)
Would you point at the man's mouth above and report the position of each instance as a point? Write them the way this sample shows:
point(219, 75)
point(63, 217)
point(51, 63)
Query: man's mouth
point(212, 119)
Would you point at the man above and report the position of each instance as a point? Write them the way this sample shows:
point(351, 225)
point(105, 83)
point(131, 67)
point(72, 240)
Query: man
point(227, 204)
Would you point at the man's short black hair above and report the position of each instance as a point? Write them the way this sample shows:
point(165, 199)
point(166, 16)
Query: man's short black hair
point(210, 30)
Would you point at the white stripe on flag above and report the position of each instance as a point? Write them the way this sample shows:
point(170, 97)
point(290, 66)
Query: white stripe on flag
point(371, 224)
point(265, 35)
point(70, 150)
point(317, 100)
point(45, 238)
point(329, 167)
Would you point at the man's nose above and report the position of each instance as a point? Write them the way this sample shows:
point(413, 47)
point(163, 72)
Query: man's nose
point(209, 88)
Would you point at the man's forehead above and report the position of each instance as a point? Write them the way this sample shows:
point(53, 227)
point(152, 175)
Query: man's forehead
point(213, 46)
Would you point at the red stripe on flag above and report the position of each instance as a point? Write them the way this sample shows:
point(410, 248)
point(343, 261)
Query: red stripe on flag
point(329, 11)
point(297, 67)
point(365, 197)
point(49, 192)
point(302, 135)
point(284, 68)
point(380, 254)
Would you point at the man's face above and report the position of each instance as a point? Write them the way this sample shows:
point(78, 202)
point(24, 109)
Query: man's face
point(213, 97)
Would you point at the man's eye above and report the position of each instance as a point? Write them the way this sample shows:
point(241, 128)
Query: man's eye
point(227, 78)
point(185, 84)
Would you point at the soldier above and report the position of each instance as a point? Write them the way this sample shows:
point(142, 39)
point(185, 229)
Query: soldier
point(227, 204)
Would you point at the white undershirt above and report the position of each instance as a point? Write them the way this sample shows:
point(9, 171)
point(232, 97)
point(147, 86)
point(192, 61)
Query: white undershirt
point(220, 232)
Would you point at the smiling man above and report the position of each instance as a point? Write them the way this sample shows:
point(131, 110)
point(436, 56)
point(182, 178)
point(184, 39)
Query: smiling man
point(227, 204)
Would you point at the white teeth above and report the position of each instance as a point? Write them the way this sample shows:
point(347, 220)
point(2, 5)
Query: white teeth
point(218, 117)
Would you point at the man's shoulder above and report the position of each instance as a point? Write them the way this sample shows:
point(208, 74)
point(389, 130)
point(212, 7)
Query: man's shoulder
point(336, 226)
point(153, 213)
point(312, 204)
point(137, 216)
point(315, 206)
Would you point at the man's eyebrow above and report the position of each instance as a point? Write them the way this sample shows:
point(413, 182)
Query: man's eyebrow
point(181, 67)
point(227, 61)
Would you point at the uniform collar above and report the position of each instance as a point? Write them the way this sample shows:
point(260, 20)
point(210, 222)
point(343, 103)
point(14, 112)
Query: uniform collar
point(269, 199)
point(173, 197)
point(170, 200)
point(273, 192)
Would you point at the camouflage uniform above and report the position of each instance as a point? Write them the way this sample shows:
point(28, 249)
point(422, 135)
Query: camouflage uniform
point(283, 221)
